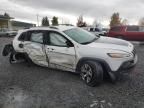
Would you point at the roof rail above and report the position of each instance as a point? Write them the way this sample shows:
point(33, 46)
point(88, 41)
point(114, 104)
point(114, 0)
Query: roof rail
point(53, 27)
point(67, 24)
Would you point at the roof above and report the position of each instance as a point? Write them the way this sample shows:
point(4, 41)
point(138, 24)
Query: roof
point(60, 28)
point(5, 17)
point(127, 26)
point(63, 28)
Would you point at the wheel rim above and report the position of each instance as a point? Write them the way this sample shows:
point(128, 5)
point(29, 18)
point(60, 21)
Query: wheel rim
point(86, 73)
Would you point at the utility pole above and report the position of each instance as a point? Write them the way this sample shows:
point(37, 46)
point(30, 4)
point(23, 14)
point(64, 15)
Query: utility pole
point(37, 19)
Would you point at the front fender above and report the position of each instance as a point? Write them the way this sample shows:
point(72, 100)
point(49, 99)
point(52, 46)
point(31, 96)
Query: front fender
point(101, 61)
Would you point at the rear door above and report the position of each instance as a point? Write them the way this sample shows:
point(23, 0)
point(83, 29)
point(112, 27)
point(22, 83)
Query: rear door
point(60, 55)
point(34, 47)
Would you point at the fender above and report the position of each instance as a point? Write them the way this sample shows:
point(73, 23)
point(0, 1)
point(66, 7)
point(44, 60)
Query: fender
point(105, 65)
point(103, 62)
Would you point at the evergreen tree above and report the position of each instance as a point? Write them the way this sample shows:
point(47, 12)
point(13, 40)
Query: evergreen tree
point(115, 20)
point(45, 21)
point(55, 21)
point(6, 15)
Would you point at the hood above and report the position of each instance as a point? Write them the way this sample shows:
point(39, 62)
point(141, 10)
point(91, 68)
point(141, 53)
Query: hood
point(109, 40)
point(112, 43)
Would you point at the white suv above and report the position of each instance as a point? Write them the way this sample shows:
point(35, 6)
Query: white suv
point(73, 49)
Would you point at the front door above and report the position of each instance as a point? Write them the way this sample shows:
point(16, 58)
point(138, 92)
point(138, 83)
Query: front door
point(60, 55)
point(34, 47)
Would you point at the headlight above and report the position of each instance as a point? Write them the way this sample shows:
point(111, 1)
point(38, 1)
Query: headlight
point(118, 55)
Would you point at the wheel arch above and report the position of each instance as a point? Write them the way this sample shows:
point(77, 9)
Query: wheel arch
point(104, 64)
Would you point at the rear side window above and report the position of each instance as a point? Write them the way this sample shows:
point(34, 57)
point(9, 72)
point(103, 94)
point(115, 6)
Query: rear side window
point(22, 36)
point(132, 28)
point(141, 29)
point(37, 36)
point(116, 29)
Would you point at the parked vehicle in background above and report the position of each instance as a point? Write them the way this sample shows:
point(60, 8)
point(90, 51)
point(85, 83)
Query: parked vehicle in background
point(95, 30)
point(105, 31)
point(6, 32)
point(73, 49)
point(131, 33)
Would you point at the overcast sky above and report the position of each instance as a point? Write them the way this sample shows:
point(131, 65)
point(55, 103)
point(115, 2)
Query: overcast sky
point(69, 10)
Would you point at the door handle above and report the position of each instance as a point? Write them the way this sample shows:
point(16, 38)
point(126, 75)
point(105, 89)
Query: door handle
point(50, 49)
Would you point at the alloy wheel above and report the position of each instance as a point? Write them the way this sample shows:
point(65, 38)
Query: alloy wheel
point(86, 73)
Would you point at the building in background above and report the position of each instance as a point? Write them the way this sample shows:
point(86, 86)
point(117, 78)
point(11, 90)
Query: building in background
point(18, 25)
point(7, 22)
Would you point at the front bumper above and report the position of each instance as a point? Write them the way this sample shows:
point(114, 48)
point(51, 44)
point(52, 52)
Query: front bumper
point(128, 64)
point(126, 67)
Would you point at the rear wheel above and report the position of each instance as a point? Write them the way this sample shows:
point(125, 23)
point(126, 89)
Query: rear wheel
point(16, 58)
point(91, 73)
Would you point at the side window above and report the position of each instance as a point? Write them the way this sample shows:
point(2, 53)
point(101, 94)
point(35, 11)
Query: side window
point(22, 36)
point(91, 29)
point(141, 29)
point(57, 39)
point(36, 37)
point(97, 30)
point(115, 29)
point(132, 28)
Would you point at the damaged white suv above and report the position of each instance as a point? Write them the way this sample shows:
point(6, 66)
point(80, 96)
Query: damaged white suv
point(73, 49)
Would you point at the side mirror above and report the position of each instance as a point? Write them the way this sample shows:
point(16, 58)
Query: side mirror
point(69, 43)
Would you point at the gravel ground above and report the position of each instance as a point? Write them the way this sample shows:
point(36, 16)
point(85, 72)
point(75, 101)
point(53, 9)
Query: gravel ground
point(37, 87)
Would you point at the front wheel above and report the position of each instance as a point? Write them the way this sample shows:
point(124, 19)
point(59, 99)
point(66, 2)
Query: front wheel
point(91, 73)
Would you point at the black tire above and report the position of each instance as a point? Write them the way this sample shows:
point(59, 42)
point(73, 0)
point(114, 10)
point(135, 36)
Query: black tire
point(94, 75)
point(17, 58)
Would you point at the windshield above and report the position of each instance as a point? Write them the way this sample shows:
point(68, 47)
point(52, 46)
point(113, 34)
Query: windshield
point(81, 36)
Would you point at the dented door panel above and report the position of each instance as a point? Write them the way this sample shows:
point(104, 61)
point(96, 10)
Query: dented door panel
point(61, 57)
point(36, 53)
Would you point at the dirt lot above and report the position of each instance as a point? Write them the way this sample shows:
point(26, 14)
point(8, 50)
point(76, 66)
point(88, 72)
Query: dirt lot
point(37, 87)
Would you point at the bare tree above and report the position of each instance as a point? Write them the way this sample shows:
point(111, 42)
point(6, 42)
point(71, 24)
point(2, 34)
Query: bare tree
point(141, 22)
point(96, 23)
point(80, 22)
point(125, 22)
